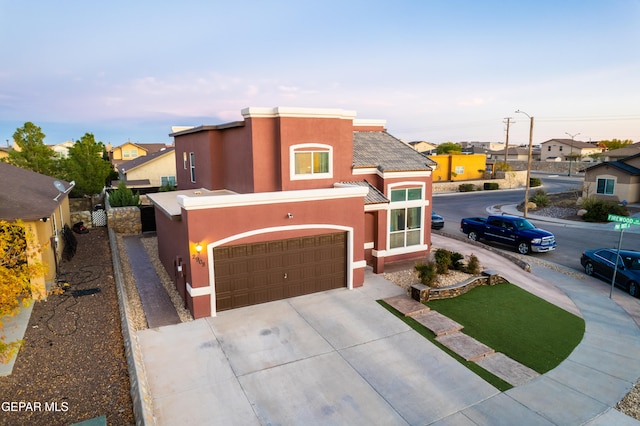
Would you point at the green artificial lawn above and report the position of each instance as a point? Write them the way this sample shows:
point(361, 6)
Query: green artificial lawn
point(510, 320)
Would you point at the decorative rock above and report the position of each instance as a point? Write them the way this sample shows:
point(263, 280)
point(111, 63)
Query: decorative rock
point(581, 212)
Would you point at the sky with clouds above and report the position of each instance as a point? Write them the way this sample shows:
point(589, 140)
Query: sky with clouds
point(435, 70)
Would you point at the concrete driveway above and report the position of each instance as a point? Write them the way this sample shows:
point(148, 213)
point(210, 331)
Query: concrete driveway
point(338, 358)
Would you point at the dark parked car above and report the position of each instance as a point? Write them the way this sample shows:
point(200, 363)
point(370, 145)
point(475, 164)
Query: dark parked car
point(601, 262)
point(437, 221)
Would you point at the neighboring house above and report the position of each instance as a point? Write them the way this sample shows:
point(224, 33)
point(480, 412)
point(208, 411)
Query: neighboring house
point(614, 180)
point(564, 149)
point(153, 170)
point(423, 146)
point(130, 151)
point(515, 154)
point(43, 206)
point(289, 201)
point(4, 152)
point(455, 167)
point(620, 153)
point(62, 149)
point(489, 146)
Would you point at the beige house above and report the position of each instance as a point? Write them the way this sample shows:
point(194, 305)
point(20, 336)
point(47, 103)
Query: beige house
point(130, 151)
point(564, 149)
point(423, 146)
point(614, 180)
point(620, 153)
point(153, 170)
point(42, 204)
point(62, 149)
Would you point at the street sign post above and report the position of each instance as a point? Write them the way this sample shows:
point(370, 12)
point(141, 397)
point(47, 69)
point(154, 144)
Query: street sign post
point(622, 223)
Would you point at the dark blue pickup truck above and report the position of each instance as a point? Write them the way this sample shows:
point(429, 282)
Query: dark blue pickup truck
point(511, 230)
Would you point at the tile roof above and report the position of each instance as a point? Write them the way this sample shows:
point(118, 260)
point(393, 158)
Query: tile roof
point(27, 195)
point(620, 165)
point(387, 153)
point(373, 197)
point(575, 144)
point(136, 162)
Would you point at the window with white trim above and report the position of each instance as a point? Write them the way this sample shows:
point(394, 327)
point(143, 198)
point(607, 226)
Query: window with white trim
point(459, 170)
point(405, 227)
point(605, 186)
point(192, 166)
point(129, 153)
point(311, 161)
point(168, 180)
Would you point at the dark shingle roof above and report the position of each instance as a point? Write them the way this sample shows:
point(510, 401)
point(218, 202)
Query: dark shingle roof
point(633, 171)
point(374, 196)
point(27, 195)
point(131, 164)
point(386, 153)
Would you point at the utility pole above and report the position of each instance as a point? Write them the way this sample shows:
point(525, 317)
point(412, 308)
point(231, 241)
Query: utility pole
point(506, 142)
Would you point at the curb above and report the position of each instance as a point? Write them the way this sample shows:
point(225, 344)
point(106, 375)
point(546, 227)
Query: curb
point(521, 263)
point(142, 402)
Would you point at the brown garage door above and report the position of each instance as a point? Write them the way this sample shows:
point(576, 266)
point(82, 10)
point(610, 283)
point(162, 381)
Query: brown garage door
point(249, 274)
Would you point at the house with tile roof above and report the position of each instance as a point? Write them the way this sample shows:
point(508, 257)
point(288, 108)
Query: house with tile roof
point(620, 153)
point(564, 149)
point(286, 202)
point(129, 151)
point(149, 171)
point(42, 204)
point(614, 180)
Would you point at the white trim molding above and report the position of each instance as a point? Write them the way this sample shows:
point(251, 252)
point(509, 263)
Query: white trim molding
point(267, 112)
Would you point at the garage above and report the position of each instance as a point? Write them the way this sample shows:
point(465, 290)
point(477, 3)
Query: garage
point(249, 274)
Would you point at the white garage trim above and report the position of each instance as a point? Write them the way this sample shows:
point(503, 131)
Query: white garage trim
point(351, 265)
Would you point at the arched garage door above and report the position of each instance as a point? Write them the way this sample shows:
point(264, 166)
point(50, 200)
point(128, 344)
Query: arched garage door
point(249, 274)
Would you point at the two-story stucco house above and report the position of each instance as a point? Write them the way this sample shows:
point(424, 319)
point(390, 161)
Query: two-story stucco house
point(286, 202)
point(153, 170)
point(565, 149)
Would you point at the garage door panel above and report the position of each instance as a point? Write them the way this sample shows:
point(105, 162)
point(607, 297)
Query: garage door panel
point(262, 272)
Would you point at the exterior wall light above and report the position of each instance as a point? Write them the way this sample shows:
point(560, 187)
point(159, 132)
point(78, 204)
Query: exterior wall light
point(198, 247)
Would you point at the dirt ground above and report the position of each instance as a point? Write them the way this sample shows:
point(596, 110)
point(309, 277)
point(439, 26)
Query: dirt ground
point(72, 366)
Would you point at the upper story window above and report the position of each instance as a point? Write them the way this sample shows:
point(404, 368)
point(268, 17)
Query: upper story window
point(311, 161)
point(192, 165)
point(129, 153)
point(406, 218)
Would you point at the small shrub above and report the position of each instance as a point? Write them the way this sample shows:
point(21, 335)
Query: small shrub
point(501, 166)
point(540, 198)
point(489, 186)
point(456, 261)
point(599, 210)
point(167, 187)
point(123, 197)
point(466, 187)
point(443, 260)
point(473, 266)
point(533, 182)
point(427, 273)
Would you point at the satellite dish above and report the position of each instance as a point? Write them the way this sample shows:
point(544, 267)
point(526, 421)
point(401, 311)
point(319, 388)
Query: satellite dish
point(59, 186)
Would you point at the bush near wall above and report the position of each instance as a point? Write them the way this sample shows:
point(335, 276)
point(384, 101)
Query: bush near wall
point(466, 187)
point(491, 186)
point(535, 182)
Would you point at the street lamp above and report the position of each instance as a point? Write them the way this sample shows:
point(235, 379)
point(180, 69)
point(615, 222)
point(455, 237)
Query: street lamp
point(571, 155)
point(528, 183)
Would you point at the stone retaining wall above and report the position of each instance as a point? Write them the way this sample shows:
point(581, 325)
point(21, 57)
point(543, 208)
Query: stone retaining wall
point(422, 293)
point(124, 220)
point(509, 180)
point(82, 216)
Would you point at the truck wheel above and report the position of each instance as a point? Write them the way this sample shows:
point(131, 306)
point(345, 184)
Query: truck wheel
point(633, 289)
point(473, 236)
point(523, 247)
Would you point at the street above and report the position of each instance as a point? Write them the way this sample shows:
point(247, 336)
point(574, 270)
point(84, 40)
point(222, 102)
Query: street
point(572, 241)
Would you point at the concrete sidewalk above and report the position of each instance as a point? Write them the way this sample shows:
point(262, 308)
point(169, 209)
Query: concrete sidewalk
point(338, 357)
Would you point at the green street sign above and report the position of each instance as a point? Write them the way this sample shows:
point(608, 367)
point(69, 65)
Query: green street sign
point(624, 219)
point(620, 226)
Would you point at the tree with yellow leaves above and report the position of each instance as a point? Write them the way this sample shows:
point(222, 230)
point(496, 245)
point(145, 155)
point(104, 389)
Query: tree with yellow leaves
point(18, 265)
